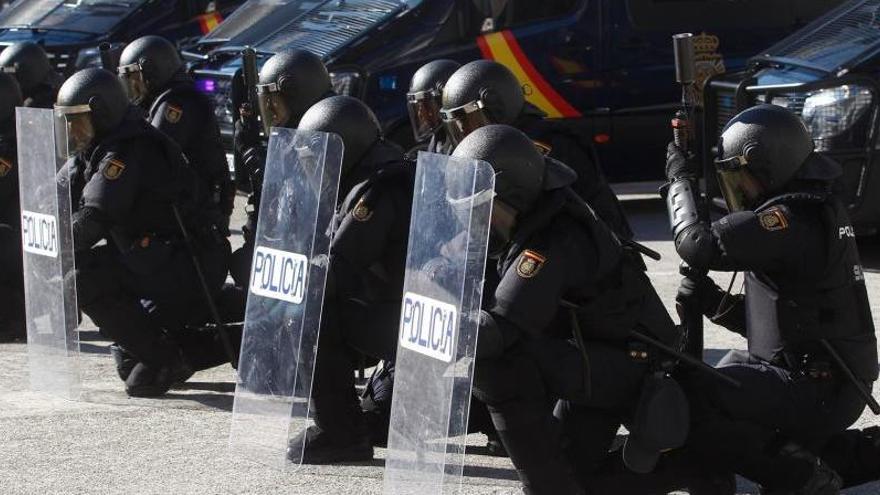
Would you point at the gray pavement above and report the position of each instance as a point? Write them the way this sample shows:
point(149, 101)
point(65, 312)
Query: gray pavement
point(107, 443)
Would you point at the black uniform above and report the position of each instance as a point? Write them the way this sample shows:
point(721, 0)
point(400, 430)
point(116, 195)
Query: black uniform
point(11, 282)
point(809, 262)
point(562, 253)
point(142, 282)
point(187, 116)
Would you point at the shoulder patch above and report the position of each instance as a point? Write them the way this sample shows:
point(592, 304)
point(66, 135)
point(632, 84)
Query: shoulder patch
point(173, 113)
point(543, 148)
point(530, 263)
point(114, 169)
point(5, 167)
point(773, 219)
point(361, 212)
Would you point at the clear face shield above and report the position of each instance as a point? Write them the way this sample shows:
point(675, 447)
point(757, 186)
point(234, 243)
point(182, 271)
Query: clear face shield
point(132, 77)
point(74, 129)
point(273, 108)
point(741, 190)
point(463, 120)
point(424, 113)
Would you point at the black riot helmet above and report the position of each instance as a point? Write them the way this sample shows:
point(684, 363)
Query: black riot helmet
point(480, 93)
point(761, 150)
point(349, 118)
point(91, 103)
point(425, 96)
point(28, 62)
point(519, 167)
point(291, 81)
point(147, 65)
point(10, 97)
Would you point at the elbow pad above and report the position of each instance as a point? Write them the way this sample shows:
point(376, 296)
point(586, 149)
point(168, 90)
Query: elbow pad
point(89, 227)
point(694, 240)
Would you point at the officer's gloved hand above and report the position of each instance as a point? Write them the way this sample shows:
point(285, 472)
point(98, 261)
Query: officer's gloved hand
point(701, 291)
point(247, 133)
point(680, 165)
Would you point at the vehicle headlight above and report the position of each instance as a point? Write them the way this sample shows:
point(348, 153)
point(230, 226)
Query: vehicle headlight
point(831, 112)
point(345, 83)
point(91, 57)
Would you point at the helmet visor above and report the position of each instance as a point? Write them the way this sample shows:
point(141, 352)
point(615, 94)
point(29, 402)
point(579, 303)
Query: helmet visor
point(273, 108)
point(463, 120)
point(424, 113)
point(741, 190)
point(132, 77)
point(74, 129)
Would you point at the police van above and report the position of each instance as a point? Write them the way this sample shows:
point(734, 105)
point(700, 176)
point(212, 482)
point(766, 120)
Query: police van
point(71, 30)
point(829, 74)
point(603, 67)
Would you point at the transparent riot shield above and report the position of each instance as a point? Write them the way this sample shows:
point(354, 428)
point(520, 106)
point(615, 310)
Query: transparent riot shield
point(286, 293)
point(47, 241)
point(452, 207)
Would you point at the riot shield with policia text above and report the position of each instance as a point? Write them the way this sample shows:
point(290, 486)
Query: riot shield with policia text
point(448, 240)
point(47, 242)
point(286, 293)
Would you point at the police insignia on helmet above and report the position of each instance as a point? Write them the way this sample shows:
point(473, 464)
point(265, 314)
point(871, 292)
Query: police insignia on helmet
point(113, 169)
point(361, 212)
point(5, 167)
point(173, 114)
point(530, 263)
point(773, 219)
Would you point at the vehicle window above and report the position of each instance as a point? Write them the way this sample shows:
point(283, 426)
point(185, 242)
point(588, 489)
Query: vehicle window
point(683, 15)
point(510, 13)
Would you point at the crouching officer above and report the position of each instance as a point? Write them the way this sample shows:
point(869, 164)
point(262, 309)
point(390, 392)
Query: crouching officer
point(424, 101)
point(485, 92)
point(291, 81)
point(365, 280)
point(12, 321)
point(156, 79)
point(805, 311)
point(564, 280)
point(28, 62)
point(131, 186)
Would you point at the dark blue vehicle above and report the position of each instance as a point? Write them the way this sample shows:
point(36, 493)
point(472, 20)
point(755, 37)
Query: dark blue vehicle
point(603, 67)
point(71, 30)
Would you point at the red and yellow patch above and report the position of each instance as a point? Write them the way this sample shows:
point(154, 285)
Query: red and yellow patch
point(504, 48)
point(114, 169)
point(173, 113)
point(773, 219)
point(5, 167)
point(530, 263)
point(209, 21)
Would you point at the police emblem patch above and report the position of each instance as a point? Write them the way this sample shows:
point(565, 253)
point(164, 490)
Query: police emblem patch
point(530, 263)
point(361, 212)
point(114, 169)
point(5, 167)
point(173, 113)
point(773, 219)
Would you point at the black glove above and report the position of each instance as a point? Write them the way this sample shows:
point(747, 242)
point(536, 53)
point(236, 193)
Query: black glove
point(680, 165)
point(701, 291)
point(247, 133)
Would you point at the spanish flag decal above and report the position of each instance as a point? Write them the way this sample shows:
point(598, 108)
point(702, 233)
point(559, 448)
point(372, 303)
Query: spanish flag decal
point(209, 21)
point(503, 48)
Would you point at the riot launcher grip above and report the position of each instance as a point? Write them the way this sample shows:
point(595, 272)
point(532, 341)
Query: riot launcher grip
point(685, 70)
point(249, 73)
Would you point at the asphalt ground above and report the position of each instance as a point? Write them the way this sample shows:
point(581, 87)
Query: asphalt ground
point(107, 443)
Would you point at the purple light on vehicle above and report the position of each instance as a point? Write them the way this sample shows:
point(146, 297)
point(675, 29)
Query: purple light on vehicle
point(206, 85)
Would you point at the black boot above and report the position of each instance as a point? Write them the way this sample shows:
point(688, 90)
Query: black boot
point(823, 481)
point(316, 446)
point(538, 460)
point(154, 380)
point(125, 362)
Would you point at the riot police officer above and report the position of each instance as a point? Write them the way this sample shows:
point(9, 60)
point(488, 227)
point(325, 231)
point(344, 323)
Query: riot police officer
point(805, 309)
point(485, 92)
point(565, 280)
point(131, 186)
point(28, 62)
point(12, 322)
point(291, 81)
point(424, 100)
point(156, 79)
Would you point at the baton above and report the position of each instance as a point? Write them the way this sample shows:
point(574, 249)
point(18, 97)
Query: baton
point(861, 388)
point(215, 313)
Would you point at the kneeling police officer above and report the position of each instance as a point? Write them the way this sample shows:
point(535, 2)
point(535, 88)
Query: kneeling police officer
point(28, 62)
point(805, 312)
point(424, 101)
point(131, 186)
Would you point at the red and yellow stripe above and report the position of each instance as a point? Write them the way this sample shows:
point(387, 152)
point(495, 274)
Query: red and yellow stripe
point(503, 48)
point(209, 21)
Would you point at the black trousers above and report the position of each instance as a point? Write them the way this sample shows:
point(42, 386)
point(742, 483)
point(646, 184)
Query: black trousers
point(11, 281)
point(740, 429)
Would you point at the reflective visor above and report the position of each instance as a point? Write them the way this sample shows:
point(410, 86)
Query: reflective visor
point(132, 77)
point(740, 188)
point(273, 108)
point(464, 120)
point(74, 129)
point(424, 113)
